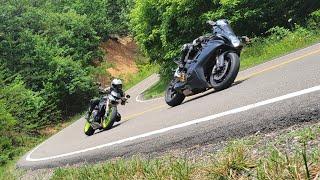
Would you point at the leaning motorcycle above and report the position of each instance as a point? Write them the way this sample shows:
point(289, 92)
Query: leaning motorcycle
point(105, 114)
point(210, 62)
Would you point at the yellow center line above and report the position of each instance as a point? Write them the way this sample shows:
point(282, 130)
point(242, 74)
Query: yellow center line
point(127, 118)
point(276, 66)
point(143, 112)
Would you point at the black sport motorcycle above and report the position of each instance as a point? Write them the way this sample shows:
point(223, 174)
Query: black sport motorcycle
point(210, 62)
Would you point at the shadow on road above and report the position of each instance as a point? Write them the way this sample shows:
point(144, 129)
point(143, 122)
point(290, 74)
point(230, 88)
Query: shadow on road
point(114, 126)
point(210, 92)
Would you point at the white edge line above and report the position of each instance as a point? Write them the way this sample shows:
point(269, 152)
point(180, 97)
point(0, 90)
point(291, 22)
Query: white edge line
point(196, 121)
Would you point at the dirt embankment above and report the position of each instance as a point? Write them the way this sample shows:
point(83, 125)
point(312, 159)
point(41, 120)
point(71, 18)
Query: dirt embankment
point(121, 53)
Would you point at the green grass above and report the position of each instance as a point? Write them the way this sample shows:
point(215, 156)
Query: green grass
point(254, 157)
point(144, 71)
point(155, 90)
point(280, 43)
point(136, 168)
point(261, 50)
point(8, 170)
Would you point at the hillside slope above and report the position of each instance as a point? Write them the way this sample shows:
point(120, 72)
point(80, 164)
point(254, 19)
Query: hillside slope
point(121, 53)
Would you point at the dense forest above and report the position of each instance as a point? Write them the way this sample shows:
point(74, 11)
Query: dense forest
point(49, 49)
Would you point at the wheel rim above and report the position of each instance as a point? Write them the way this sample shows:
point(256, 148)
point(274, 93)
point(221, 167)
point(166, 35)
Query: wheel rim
point(171, 93)
point(222, 74)
point(106, 122)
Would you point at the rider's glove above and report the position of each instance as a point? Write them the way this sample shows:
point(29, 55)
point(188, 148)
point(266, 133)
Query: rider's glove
point(123, 101)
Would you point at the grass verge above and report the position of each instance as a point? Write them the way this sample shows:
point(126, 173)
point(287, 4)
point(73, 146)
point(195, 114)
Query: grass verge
point(8, 170)
point(288, 154)
point(281, 42)
point(145, 71)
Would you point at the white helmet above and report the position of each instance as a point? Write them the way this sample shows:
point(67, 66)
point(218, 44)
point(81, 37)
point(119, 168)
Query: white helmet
point(117, 84)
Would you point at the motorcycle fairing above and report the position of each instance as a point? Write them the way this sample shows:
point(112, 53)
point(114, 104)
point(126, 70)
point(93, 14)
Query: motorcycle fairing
point(196, 68)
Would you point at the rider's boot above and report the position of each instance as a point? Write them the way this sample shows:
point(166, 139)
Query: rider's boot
point(181, 73)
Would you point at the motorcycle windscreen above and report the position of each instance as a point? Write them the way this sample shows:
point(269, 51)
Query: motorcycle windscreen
point(224, 28)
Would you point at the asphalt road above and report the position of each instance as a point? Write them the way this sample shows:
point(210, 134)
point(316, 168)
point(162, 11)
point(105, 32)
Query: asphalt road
point(271, 96)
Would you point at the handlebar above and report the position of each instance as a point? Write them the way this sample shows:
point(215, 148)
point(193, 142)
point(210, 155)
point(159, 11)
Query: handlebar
point(124, 100)
point(245, 39)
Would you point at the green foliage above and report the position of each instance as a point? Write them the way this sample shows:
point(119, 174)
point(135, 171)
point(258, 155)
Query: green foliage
point(145, 71)
point(314, 21)
point(6, 121)
point(255, 17)
point(162, 26)
point(48, 53)
point(280, 42)
point(52, 45)
point(167, 168)
point(156, 90)
point(23, 104)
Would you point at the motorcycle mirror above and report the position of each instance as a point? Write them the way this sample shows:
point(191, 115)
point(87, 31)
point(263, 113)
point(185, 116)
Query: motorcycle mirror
point(212, 23)
point(128, 96)
point(246, 39)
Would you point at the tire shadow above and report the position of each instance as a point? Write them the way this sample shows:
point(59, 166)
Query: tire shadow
point(103, 130)
point(211, 91)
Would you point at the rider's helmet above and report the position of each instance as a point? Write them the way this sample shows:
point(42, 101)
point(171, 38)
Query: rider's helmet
point(116, 84)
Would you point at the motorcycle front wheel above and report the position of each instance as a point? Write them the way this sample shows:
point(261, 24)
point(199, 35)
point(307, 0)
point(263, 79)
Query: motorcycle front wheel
point(173, 97)
point(108, 122)
point(88, 130)
point(225, 77)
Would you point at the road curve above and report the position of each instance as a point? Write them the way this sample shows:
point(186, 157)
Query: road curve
point(270, 96)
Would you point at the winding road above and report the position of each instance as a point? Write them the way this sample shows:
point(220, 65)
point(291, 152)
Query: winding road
point(267, 97)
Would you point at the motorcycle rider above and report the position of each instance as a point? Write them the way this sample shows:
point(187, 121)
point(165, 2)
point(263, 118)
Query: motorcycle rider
point(187, 49)
point(116, 85)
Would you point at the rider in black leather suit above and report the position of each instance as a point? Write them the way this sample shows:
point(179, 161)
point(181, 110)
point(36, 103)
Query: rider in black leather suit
point(187, 49)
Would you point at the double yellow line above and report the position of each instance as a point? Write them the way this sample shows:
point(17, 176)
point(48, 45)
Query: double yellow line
point(240, 79)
